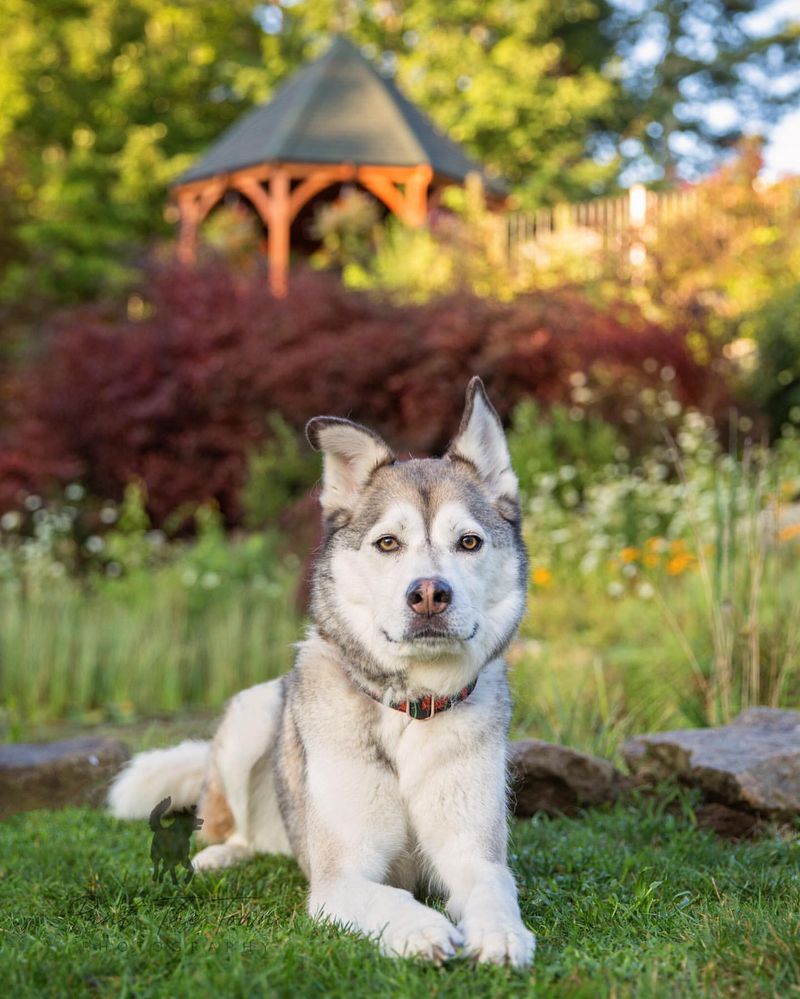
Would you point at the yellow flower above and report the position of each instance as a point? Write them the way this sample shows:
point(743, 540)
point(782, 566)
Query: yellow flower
point(541, 576)
point(629, 554)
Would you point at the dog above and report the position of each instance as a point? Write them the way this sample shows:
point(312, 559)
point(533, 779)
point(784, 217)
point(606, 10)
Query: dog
point(379, 761)
point(171, 844)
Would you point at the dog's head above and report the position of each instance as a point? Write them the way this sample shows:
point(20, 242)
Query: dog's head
point(423, 562)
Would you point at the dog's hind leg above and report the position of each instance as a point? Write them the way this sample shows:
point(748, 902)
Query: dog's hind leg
point(240, 805)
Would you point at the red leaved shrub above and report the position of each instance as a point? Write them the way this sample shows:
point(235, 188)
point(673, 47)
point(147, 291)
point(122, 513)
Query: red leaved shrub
point(179, 398)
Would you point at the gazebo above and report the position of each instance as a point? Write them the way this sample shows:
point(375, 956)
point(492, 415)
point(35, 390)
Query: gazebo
point(335, 121)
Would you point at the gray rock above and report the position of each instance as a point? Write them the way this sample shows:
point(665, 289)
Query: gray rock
point(57, 774)
point(557, 780)
point(752, 763)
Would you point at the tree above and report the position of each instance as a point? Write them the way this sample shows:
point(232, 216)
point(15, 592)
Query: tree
point(700, 74)
point(102, 104)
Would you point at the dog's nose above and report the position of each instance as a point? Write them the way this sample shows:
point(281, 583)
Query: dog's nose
point(429, 596)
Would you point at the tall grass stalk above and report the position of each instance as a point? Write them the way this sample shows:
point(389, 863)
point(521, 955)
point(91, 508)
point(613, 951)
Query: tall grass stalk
point(741, 585)
point(69, 653)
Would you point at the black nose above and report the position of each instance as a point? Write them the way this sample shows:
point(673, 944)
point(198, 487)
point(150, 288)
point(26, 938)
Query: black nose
point(429, 596)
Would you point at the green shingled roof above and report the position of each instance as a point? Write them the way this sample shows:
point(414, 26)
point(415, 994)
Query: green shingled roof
point(335, 110)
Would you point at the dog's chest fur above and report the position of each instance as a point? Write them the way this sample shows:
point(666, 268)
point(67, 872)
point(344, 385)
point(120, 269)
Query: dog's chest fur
point(338, 737)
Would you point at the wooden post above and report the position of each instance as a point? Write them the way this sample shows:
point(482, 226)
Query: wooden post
point(416, 196)
point(279, 228)
point(190, 220)
point(637, 218)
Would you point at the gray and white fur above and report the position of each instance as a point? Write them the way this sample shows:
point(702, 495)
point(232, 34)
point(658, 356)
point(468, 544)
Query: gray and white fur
point(418, 591)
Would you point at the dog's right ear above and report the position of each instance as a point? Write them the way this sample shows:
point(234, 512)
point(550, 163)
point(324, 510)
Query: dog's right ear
point(351, 454)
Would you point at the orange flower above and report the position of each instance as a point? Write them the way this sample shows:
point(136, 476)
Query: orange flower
point(541, 576)
point(629, 554)
point(679, 563)
point(789, 532)
point(651, 560)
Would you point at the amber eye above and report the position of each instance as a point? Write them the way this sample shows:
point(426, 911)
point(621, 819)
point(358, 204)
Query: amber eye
point(388, 543)
point(470, 543)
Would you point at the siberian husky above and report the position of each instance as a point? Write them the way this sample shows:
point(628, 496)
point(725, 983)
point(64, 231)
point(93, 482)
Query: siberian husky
point(379, 761)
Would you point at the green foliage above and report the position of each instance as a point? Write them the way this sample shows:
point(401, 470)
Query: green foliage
point(728, 253)
point(462, 251)
point(571, 451)
point(346, 229)
point(101, 616)
point(630, 901)
point(282, 471)
point(694, 546)
point(102, 104)
point(775, 383)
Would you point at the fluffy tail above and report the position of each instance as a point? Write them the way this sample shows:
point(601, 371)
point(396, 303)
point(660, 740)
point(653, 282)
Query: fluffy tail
point(177, 773)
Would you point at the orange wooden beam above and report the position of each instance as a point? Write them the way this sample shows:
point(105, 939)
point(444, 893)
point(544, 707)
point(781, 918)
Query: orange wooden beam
point(279, 232)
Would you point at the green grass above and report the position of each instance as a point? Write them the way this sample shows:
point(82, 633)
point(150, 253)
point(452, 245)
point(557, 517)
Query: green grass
point(633, 901)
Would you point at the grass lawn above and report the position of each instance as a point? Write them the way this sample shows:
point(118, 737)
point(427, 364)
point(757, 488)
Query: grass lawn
point(635, 900)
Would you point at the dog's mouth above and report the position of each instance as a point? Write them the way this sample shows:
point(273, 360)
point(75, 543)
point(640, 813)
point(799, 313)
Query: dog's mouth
point(430, 635)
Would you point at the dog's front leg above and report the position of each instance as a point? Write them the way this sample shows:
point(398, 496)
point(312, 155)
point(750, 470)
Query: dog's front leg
point(356, 829)
point(459, 812)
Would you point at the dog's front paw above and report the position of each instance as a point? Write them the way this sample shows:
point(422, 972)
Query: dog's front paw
point(498, 942)
point(218, 856)
point(432, 937)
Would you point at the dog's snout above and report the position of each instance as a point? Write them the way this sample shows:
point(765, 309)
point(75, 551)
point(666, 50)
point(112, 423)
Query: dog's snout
point(429, 596)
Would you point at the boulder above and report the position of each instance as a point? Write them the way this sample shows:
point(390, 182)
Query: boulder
point(752, 763)
point(557, 780)
point(57, 774)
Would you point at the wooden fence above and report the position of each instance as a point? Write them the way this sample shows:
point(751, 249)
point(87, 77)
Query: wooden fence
point(621, 226)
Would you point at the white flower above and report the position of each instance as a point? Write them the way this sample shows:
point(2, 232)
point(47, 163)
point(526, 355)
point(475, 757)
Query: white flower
point(547, 482)
point(32, 502)
point(615, 590)
point(74, 491)
point(108, 515)
point(210, 580)
point(646, 591)
point(10, 521)
point(94, 544)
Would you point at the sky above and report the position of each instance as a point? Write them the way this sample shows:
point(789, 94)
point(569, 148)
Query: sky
point(782, 153)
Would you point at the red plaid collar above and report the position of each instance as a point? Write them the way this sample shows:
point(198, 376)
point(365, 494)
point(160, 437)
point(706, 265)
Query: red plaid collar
point(424, 707)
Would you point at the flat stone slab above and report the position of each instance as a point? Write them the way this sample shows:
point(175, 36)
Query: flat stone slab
point(557, 780)
point(752, 763)
point(57, 774)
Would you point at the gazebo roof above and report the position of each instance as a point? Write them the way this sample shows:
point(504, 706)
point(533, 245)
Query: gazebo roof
point(335, 110)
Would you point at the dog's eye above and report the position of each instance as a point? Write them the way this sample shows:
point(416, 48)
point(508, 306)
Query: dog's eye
point(470, 543)
point(388, 543)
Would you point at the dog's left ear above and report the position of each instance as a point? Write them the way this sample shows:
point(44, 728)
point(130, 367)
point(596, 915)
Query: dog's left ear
point(351, 453)
point(481, 442)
